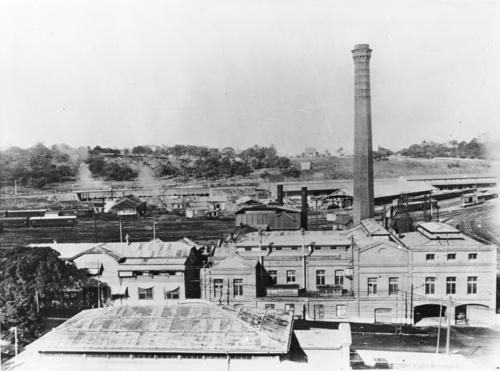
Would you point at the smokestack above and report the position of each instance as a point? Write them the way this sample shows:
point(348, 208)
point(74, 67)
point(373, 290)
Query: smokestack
point(363, 152)
point(303, 210)
point(280, 194)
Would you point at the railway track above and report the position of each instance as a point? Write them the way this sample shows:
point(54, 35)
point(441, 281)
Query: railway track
point(478, 222)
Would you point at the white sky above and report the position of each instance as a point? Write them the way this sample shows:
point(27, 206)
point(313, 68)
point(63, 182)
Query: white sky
point(244, 72)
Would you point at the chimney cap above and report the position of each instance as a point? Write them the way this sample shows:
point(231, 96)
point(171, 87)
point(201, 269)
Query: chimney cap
point(361, 47)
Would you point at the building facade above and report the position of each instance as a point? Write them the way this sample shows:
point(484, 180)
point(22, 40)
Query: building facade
point(363, 274)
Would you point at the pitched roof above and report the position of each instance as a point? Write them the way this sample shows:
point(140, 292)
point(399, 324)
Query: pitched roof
point(127, 202)
point(151, 249)
point(382, 187)
point(154, 249)
point(235, 261)
point(193, 327)
point(294, 238)
point(275, 208)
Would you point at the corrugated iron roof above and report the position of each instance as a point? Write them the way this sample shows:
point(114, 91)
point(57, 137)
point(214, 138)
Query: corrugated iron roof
point(151, 249)
point(181, 328)
point(290, 238)
point(382, 187)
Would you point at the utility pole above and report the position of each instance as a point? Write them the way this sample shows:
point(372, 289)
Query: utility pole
point(121, 236)
point(448, 323)
point(37, 302)
point(439, 325)
point(316, 206)
point(411, 304)
point(16, 348)
point(95, 229)
point(304, 282)
point(98, 292)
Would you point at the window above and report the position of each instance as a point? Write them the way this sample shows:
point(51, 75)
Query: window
point(295, 247)
point(372, 286)
point(274, 276)
point(174, 294)
point(472, 256)
point(269, 306)
point(451, 256)
point(218, 285)
point(471, 285)
point(341, 310)
point(393, 285)
point(429, 256)
point(430, 285)
point(248, 249)
point(238, 287)
point(145, 294)
point(339, 277)
point(333, 247)
point(320, 277)
point(317, 247)
point(290, 307)
point(451, 285)
point(319, 311)
point(279, 248)
point(290, 276)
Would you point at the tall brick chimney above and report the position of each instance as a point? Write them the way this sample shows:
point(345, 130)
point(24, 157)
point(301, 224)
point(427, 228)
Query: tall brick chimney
point(363, 152)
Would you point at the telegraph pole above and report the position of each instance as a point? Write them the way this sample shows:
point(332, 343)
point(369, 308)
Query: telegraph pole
point(121, 236)
point(448, 323)
point(439, 325)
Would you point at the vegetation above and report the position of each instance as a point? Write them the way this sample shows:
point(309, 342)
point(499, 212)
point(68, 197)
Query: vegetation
point(40, 166)
point(37, 166)
point(472, 149)
point(195, 162)
point(32, 280)
point(382, 154)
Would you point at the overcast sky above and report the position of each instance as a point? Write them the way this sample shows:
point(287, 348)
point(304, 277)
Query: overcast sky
point(244, 72)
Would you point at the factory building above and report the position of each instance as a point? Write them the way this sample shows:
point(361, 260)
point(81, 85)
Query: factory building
point(363, 274)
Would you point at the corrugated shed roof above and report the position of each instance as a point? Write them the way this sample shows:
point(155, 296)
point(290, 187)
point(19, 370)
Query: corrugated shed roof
point(382, 187)
point(290, 238)
point(150, 249)
point(277, 209)
point(173, 252)
point(182, 328)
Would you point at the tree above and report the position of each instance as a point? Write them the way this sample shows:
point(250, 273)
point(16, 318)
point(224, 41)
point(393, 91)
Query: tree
point(32, 279)
point(382, 154)
point(340, 151)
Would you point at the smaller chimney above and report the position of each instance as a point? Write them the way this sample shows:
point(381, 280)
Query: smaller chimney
point(303, 210)
point(280, 194)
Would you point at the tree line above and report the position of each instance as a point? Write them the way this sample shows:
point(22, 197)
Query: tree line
point(39, 166)
point(186, 161)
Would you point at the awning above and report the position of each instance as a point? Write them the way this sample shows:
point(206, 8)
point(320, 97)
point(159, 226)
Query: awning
point(119, 290)
point(125, 274)
point(169, 287)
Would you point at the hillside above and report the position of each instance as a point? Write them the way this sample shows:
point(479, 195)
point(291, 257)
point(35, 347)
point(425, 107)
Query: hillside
point(332, 167)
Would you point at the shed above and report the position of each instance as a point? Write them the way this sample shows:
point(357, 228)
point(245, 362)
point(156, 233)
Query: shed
point(274, 217)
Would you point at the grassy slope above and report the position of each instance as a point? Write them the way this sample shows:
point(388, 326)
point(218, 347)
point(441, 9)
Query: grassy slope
point(341, 167)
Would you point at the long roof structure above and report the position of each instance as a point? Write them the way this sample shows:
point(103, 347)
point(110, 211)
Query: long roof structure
point(184, 328)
